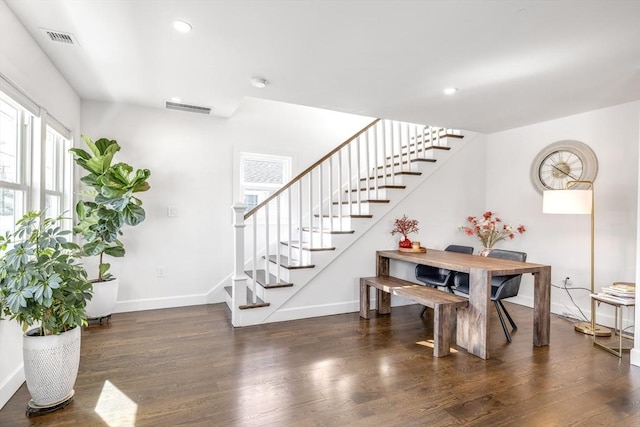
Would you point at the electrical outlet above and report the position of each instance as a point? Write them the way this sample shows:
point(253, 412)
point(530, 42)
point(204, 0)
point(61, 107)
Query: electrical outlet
point(160, 272)
point(568, 281)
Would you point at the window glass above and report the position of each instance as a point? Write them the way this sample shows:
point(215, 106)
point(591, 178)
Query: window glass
point(262, 175)
point(11, 208)
point(9, 142)
point(56, 160)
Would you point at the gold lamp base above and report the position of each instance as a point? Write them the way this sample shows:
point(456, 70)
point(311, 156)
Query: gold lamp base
point(599, 331)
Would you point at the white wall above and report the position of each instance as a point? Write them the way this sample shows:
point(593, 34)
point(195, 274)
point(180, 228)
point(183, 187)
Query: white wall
point(563, 241)
point(192, 160)
point(22, 61)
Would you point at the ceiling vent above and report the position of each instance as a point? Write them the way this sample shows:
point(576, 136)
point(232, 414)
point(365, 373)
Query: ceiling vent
point(60, 37)
point(188, 108)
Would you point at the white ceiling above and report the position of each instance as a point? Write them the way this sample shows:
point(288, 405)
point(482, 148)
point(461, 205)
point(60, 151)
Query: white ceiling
point(514, 62)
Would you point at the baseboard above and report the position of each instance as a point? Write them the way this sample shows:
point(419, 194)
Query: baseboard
point(12, 385)
point(158, 303)
point(296, 313)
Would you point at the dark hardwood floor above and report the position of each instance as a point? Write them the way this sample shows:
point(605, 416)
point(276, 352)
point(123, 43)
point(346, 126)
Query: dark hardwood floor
point(189, 367)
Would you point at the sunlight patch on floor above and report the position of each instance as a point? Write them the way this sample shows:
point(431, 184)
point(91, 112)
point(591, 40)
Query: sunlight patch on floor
point(429, 343)
point(115, 408)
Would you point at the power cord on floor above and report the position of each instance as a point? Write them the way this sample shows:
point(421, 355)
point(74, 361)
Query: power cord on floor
point(567, 289)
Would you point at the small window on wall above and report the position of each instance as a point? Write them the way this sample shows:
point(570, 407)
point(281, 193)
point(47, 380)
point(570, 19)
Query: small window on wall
point(262, 175)
point(15, 136)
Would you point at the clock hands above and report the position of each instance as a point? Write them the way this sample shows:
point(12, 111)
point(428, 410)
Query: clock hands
point(566, 173)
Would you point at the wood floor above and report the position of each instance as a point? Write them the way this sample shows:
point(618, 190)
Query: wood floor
point(189, 367)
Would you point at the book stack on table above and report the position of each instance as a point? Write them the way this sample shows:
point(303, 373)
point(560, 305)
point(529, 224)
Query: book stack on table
point(620, 292)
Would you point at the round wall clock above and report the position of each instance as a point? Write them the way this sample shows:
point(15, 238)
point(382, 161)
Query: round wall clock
point(561, 162)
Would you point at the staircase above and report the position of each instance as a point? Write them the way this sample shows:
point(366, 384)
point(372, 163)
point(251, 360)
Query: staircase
point(289, 238)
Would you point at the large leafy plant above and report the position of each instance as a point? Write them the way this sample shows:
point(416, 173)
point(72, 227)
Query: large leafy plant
point(112, 188)
point(41, 279)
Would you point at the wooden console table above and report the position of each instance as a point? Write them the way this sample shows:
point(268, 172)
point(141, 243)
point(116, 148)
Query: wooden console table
point(473, 322)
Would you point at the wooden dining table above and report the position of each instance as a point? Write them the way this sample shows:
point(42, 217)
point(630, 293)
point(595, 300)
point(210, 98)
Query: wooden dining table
point(473, 322)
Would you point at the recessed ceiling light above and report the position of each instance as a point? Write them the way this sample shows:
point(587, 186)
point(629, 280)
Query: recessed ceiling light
point(259, 82)
point(182, 26)
point(450, 90)
point(176, 99)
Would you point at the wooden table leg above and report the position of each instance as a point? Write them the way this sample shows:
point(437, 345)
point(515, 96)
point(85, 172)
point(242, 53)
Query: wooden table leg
point(473, 322)
point(542, 307)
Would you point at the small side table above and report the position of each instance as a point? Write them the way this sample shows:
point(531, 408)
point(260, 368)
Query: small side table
point(619, 305)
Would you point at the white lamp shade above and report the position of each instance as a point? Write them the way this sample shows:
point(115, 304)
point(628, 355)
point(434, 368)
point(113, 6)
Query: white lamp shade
point(567, 202)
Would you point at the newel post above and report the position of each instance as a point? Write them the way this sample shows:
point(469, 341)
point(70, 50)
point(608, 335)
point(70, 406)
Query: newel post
point(239, 279)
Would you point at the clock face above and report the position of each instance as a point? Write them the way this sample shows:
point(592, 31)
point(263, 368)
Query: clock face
point(562, 162)
point(558, 168)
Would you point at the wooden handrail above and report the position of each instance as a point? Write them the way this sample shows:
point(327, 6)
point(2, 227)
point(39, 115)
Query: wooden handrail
point(309, 169)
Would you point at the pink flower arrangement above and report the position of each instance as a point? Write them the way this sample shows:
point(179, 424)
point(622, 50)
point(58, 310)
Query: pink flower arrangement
point(405, 226)
point(490, 230)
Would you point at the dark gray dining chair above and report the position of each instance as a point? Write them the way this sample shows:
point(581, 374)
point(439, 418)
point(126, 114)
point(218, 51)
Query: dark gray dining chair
point(440, 277)
point(501, 286)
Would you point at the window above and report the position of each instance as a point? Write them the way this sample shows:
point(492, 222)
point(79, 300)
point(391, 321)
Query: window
point(262, 175)
point(57, 164)
point(35, 163)
point(15, 136)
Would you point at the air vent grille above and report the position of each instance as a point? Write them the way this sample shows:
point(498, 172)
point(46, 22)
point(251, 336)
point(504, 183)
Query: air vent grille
point(60, 36)
point(188, 108)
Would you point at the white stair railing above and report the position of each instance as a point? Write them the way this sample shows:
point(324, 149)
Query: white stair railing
point(349, 176)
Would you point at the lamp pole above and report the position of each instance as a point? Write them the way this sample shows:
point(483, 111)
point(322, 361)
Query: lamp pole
point(590, 328)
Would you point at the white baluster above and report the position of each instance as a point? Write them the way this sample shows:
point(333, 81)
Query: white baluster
point(359, 193)
point(320, 210)
point(376, 160)
point(267, 267)
point(384, 153)
point(299, 219)
point(331, 191)
point(278, 248)
point(289, 222)
point(367, 165)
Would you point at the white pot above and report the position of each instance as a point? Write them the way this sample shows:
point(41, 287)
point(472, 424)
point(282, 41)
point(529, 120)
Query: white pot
point(105, 297)
point(51, 365)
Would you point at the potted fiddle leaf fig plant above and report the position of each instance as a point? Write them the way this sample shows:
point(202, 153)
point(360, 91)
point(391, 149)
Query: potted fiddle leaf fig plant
point(112, 205)
point(43, 285)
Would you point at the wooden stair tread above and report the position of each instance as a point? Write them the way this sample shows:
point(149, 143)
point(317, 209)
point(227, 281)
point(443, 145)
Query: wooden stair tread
point(289, 265)
point(412, 173)
point(346, 202)
point(250, 304)
point(420, 150)
point(405, 162)
point(355, 216)
point(326, 231)
point(305, 246)
point(261, 280)
point(380, 187)
point(433, 137)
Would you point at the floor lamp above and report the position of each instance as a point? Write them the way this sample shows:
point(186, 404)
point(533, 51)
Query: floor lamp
point(573, 201)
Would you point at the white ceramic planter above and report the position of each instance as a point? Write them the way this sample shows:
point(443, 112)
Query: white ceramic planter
point(51, 366)
point(105, 297)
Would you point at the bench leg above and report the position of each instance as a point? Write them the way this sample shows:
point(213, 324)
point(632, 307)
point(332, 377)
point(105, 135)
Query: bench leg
point(365, 299)
point(442, 318)
point(384, 301)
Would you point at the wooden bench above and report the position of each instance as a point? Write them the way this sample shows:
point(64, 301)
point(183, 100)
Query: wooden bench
point(442, 303)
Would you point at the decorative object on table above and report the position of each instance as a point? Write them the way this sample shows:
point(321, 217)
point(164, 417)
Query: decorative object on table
point(577, 202)
point(490, 230)
point(561, 162)
point(405, 226)
point(42, 283)
point(100, 221)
